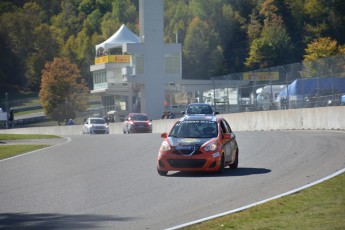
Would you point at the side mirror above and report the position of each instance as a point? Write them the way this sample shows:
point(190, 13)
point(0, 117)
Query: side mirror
point(230, 136)
point(227, 136)
point(183, 112)
point(164, 135)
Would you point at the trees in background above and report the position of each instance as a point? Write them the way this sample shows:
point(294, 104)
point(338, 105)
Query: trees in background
point(218, 37)
point(63, 92)
point(316, 62)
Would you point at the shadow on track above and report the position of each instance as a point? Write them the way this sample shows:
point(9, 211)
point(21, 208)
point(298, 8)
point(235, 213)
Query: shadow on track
point(227, 172)
point(54, 221)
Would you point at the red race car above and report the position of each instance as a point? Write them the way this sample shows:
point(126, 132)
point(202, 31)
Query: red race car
point(198, 143)
point(137, 123)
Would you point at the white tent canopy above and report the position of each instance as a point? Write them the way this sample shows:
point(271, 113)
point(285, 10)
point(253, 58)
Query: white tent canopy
point(122, 36)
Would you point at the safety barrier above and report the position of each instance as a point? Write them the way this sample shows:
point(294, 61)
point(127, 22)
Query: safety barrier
point(324, 118)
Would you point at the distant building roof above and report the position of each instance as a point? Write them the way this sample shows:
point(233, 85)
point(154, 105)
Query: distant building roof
point(122, 36)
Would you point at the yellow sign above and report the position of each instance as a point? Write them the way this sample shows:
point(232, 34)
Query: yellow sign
point(113, 58)
point(261, 76)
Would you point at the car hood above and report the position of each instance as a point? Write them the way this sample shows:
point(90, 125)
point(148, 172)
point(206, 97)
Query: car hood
point(174, 141)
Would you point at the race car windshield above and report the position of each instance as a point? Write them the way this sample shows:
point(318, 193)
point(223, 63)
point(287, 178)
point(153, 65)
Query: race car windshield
point(139, 117)
point(195, 129)
point(97, 121)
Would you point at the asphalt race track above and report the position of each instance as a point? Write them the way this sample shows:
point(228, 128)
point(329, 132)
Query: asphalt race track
point(110, 181)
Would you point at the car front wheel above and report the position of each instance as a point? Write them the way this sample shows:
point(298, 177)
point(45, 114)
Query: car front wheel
point(235, 164)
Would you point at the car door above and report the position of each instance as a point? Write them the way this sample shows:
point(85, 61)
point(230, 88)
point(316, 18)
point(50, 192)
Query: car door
point(233, 143)
point(226, 142)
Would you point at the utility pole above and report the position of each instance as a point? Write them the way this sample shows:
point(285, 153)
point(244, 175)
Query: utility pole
point(7, 115)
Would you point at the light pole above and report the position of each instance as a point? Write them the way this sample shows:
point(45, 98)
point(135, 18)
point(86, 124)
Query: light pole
point(6, 102)
point(6, 96)
point(214, 93)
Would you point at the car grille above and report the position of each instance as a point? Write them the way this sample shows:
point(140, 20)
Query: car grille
point(99, 131)
point(192, 150)
point(186, 163)
point(140, 127)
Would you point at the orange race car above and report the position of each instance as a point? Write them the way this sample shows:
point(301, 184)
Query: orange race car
point(198, 143)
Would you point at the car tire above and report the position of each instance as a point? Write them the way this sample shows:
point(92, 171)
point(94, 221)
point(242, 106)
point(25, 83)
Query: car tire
point(162, 172)
point(222, 165)
point(235, 164)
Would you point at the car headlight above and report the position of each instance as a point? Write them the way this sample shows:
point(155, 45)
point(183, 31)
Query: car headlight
point(211, 147)
point(165, 146)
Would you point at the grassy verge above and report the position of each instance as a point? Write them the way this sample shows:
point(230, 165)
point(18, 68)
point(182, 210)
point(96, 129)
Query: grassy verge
point(28, 112)
point(25, 136)
point(13, 150)
point(7, 151)
point(318, 207)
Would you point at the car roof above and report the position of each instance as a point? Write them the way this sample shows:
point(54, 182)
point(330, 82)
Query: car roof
point(199, 117)
point(137, 114)
point(198, 104)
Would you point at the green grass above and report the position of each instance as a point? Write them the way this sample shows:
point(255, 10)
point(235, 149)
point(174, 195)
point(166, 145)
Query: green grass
point(319, 207)
point(45, 123)
point(7, 151)
point(25, 136)
point(13, 150)
point(23, 95)
point(30, 102)
point(28, 112)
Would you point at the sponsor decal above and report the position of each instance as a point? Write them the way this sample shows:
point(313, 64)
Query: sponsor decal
point(215, 154)
point(188, 140)
point(186, 147)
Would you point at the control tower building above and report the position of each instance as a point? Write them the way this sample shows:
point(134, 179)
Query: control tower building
point(131, 72)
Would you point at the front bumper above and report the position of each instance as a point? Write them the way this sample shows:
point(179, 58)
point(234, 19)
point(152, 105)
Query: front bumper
point(201, 162)
point(138, 129)
point(99, 131)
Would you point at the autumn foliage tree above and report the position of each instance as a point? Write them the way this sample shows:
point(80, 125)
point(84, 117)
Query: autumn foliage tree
point(218, 37)
point(317, 61)
point(63, 92)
